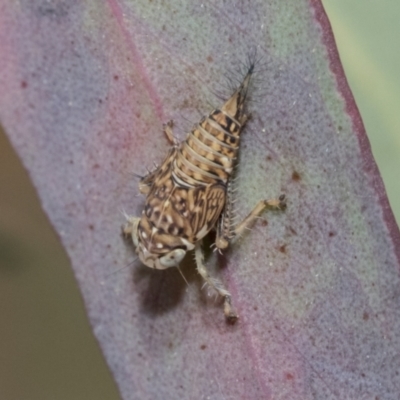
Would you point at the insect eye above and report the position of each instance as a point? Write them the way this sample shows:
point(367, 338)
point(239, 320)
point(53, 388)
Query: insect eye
point(142, 233)
point(173, 258)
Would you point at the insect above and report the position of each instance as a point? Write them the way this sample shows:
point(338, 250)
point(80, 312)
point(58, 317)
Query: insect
point(190, 194)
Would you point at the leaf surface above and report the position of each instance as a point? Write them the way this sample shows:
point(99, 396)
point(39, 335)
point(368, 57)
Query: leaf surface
point(86, 87)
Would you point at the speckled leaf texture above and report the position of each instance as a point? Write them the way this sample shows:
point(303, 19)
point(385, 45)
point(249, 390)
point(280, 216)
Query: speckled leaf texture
point(85, 88)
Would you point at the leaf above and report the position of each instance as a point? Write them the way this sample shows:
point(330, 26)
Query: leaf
point(86, 88)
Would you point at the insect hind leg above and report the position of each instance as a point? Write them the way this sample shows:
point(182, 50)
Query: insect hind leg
point(230, 315)
point(222, 240)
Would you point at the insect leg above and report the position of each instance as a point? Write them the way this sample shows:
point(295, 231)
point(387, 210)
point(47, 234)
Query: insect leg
point(130, 228)
point(222, 242)
point(247, 222)
point(224, 227)
point(230, 314)
point(146, 181)
point(169, 134)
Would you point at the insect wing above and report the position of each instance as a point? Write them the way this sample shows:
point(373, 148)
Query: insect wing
point(207, 205)
point(154, 178)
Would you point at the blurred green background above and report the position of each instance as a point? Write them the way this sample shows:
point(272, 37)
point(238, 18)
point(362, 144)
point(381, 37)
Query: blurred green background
point(367, 34)
point(47, 350)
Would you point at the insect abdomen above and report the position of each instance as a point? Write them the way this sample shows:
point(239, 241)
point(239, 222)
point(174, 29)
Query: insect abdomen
point(208, 154)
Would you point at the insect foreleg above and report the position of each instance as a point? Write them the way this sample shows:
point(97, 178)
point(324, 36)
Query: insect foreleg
point(222, 240)
point(130, 228)
point(230, 314)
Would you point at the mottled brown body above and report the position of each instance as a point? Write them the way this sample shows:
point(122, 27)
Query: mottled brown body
point(190, 193)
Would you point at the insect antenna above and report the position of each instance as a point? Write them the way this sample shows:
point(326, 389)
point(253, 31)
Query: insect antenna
point(129, 265)
point(183, 276)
